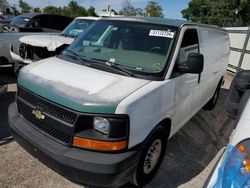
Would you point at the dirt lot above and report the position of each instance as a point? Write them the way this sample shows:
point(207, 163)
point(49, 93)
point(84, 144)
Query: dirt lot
point(190, 155)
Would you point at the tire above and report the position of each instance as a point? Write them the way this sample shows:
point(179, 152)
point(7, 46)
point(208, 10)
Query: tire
point(212, 102)
point(11, 28)
point(151, 157)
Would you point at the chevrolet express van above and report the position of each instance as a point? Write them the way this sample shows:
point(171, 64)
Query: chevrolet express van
point(100, 113)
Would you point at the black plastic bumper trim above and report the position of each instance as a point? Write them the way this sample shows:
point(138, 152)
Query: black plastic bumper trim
point(82, 166)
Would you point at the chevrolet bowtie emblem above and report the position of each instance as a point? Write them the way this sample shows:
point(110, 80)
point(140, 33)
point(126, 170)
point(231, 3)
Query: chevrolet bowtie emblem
point(38, 114)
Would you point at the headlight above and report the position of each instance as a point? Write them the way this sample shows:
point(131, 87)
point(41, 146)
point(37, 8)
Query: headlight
point(234, 171)
point(101, 124)
point(246, 162)
point(102, 133)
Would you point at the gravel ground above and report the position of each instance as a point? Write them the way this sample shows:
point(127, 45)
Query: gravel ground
point(191, 153)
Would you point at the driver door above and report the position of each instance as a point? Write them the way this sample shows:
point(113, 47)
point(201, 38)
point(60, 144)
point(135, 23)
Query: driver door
point(187, 96)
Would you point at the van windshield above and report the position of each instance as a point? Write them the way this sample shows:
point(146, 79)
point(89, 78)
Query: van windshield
point(76, 27)
point(136, 46)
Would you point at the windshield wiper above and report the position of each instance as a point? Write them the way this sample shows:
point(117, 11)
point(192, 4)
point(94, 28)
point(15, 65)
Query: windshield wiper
point(77, 57)
point(115, 65)
point(67, 35)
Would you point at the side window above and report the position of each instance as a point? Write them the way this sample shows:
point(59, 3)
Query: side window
point(44, 21)
point(59, 22)
point(34, 23)
point(190, 44)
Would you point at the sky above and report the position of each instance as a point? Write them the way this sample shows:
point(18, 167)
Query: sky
point(171, 8)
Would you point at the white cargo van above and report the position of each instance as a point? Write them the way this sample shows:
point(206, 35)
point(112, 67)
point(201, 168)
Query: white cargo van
point(101, 113)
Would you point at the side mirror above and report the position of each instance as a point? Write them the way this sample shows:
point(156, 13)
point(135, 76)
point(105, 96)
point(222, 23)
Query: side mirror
point(194, 64)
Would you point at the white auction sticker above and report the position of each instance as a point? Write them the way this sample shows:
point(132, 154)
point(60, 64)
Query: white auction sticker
point(161, 33)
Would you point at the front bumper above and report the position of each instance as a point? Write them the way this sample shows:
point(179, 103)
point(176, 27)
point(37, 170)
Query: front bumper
point(81, 166)
point(18, 59)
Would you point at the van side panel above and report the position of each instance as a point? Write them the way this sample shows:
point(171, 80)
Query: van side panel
point(214, 45)
point(146, 108)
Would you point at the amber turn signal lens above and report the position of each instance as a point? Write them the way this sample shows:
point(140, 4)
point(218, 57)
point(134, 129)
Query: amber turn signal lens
point(243, 150)
point(246, 162)
point(99, 145)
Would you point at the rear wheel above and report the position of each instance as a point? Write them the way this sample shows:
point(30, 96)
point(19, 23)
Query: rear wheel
point(151, 157)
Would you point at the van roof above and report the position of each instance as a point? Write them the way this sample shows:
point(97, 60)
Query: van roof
point(31, 15)
point(88, 18)
point(164, 21)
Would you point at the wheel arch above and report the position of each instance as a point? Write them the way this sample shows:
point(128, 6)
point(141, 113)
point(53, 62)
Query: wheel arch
point(166, 123)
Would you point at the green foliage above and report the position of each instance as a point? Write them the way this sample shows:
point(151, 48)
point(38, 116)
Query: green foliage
point(139, 12)
point(127, 8)
point(3, 3)
point(73, 9)
point(91, 11)
point(223, 13)
point(52, 10)
point(3, 6)
point(37, 10)
point(25, 7)
point(153, 9)
point(14, 10)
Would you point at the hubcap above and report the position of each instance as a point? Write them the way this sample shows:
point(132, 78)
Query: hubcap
point(152, 156)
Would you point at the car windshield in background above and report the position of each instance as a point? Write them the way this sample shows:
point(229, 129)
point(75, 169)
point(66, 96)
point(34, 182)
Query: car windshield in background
point(20, 21)
point(76, 27)
point(140, 47)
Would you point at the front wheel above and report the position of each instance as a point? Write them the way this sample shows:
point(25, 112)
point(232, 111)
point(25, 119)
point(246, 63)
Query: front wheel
point(151, 157)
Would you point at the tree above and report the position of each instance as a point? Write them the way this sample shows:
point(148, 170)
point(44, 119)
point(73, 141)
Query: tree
point(153, 9)
point(73, 9)
point(37, 10)
point(91, 11)
point(25, 8)
point(139, 12)
point(223, 13)
point(127, 8)
point(3, 6)
point(52, 10)
point(14, 11)
point(3, 3)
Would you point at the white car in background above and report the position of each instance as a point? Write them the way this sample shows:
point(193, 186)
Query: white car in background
point(233, 169)
point(37, 47)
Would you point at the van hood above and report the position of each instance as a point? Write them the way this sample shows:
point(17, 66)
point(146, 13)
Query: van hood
point(78, 87)
point(51, 42)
